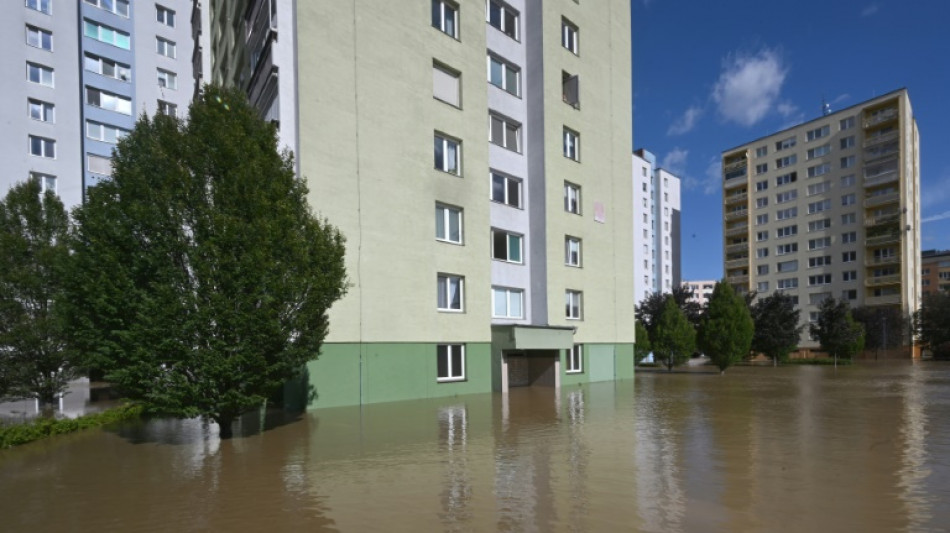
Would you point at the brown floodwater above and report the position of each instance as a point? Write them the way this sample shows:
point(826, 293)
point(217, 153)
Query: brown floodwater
point(863, 448)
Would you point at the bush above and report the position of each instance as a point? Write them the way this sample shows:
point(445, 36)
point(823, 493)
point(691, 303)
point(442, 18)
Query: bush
point(17, 434)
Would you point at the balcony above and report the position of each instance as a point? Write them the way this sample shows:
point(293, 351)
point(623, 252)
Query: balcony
point(878, 139)
point(891, 279)
point(731, 183)
point(890, 299)
point(880, 117)
point(887, 218)
point(887, 176)
point(743, 279)
point(882, 199)
point(878, 261)
point(879, 240)
point(737, 263)
point(738, 247)
point(739, 229)
point(737, 214)
point(881, 154)
point(736, 198)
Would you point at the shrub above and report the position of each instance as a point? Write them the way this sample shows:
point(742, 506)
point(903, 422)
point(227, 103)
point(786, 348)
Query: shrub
point(16, 434)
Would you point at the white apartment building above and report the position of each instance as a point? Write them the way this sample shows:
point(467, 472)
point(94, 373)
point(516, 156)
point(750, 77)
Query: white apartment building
point(656, 227)
point(702, 290)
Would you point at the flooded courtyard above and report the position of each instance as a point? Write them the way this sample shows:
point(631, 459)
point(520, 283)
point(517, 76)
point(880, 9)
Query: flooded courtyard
point(862, 448)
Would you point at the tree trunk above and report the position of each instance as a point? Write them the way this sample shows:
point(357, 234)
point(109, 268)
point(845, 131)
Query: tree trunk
point(225, 422)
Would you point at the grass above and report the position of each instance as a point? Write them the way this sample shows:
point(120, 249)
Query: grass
point(41, 428)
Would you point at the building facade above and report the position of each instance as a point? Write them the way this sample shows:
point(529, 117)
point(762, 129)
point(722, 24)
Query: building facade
point(656, 227)
point(829, 208)
point(116, 58)
point(476, 155)
point(702, 290)
point(934, 271)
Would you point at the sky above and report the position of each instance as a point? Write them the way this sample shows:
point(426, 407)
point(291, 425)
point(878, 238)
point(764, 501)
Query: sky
point(709, 75)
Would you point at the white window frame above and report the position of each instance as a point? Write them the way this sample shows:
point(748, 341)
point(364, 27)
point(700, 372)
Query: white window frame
point(119, 39)
point(106, 161)
point(509, 71)
point(818, 133)
point(165, 47)
point(102, 132)
point(447, 351)
point(109, 101)
point(39, 38)
point(507, 184)
point(47, 181)
point(167, 79)
point(570, 36)
point(504, 23)
point(43, 6)
point(165, 107)
point(118, 7)
point(445, 282)
point(446, 11)
point(509, 130)
point(445, 143)
point(574, 359)
point(509, 238)
point(165, 16)
point(121, 71)
point(572, 198)
point(572, 144)
point(572, 251)
point(573, 305)
point(446, 212)
point(47, 146)
point(438, 69)
point(505, 296)
point(45, 76)
point(44, 111)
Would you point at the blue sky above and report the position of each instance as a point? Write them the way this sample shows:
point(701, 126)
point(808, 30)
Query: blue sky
point(709, 75)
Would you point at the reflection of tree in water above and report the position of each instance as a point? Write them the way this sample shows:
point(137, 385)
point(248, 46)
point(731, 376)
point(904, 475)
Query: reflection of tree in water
point(578, 454)
point(457, 487)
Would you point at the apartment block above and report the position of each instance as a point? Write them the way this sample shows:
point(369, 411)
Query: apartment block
point(702, 290)
point(117, 59)
point(935, 271)
point(829, 208)
point(656, 227)
point(476, 155)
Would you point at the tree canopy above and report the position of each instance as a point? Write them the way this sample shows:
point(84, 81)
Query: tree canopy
point(641, 347)
point(726, 331)
point(884, 326)
point(836, 330)
point(200, 280)
point(649, 310)
point(777, 331)
point(933, 323)
point(33, 234)
point(675, 337)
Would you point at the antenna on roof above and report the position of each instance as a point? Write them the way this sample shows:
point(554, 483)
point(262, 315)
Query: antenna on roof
point(825, 107)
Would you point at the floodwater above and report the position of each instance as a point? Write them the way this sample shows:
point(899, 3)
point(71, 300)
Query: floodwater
point(863, 448)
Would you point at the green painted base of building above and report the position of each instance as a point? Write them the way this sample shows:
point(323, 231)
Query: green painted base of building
point(354, 374)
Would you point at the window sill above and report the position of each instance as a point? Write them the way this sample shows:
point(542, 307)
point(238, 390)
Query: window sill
point(450, 380)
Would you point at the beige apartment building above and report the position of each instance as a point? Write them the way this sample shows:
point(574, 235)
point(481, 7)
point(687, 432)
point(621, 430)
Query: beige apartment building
point(828, 208)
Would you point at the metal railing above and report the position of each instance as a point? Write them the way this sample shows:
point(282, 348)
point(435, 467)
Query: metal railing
point(737, 263)
point(737, 214)
point(878, 240)
point(882, 116)
point(882, 199)
point(888, 260)
point(877, 139)
point(737, 230)
point(736, 198)
point(883, 300)
point(889, 279)
point(882, 178)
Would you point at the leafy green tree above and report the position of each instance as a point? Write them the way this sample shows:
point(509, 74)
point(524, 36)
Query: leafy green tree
point(776, 326)
point(200, 279)
point(33, 248)
point(884, 326)
point(933, 323)
point(836, 330)
point(642, 347)
point(675, 337)
point(649, 310)
point(726, 332)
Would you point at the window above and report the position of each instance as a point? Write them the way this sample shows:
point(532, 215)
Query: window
point(816, 299)
point(847, 142)
point(761, 219)
point(785, 249)
point(572, 198)
point(504, 75)
point(849, 275)
point(817, 207)
point(761, 185)
point(849, 237)
point(785, 179)
point(762, 270)
point(450, 362)
point(818, 151)
point(47, 181)
point(849, 294)
point(573, 304)
point(448, 223)
point(119, 7)
point(847, 162)
point(104, 132)
point(818, 133)
point(42, 147)
point(849, 257)
point(99, 165)
point(572, 251)
point(761, 202)
point(569, 36)
point(504, 132)
point(762, 236)
point(787, 283)
point(786, 214)
point(785, 197)
point(762, 168)
point(761, 253)
point(818, 244)
point(785, 143)
point(823, 260)
point(445, 16)
point(820, 279)
point(819, 170)
point(786, 161)
point(786, 231)
point(167, 108)
point(107, 67)
point(450, 289)
point(106, 34)
point(165, 47)
point(39, 74)
point(39, 38)
point(575, 359)
point(507, 303)
point(506, 246)
point(572, 144)
point(819, 225)
point(502, 17)
point(763, 286)
point(43, 6)
point(787, 266)
point(165, 16)
point(505, 189)
point(106, 100)
point(847, 181)
point(846, 123)
point(819, 188)
point(848, 199)
point(849, 218)
point(570, 90)
point(447, 151)
point(761, 151)
point(40, 110)
point(167, 79)
point(445, 84)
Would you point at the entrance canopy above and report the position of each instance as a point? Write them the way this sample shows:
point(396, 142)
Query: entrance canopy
point(515, 337)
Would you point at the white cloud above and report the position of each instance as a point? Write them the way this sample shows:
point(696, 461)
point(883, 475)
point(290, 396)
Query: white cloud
point(934, 194)
point(711, 182)
point(675, 161)
point(686, 122)
point(786, 109)
point(841, 98)
point(748, 86)
point(942, 216)
point(870, 10)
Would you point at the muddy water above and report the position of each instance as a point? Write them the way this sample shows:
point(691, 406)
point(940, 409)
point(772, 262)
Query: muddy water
point(865, 448)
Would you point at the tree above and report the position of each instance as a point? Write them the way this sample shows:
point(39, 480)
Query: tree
point(933, 323)
point(33, 248)
point(675, 337)
point(836, 330)
point(642, 347)
point(726, 332)
point(884, 326)
point(776, 326)
point(649, 310)
point(200, 279)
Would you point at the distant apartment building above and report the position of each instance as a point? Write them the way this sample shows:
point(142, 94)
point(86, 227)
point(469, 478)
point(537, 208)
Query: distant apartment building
point(828, 208)
point(476, 155)
point(934, 271)
point(115, 58)
point(656, 227)
point(702, 290)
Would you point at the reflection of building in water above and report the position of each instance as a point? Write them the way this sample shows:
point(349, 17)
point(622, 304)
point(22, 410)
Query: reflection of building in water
point(660, 497)
point(75, 402)
point(914, 456)
point(457, 487)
